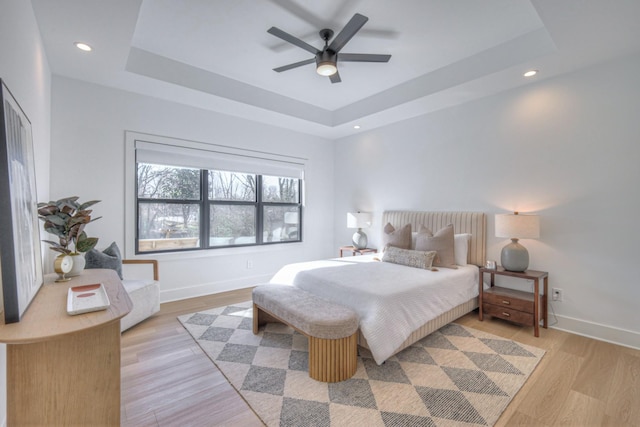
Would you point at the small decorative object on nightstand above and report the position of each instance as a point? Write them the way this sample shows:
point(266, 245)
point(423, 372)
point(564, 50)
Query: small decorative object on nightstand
point(62, 265)
point(355, 250)
point(359, 220)
point(517, 306)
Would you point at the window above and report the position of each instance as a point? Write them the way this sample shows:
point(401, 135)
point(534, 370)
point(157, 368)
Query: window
point(169, 205)
point(194, 196)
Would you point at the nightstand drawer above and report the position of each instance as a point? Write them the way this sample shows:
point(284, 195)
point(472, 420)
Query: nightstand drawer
point(508, 314)
point(513, 300)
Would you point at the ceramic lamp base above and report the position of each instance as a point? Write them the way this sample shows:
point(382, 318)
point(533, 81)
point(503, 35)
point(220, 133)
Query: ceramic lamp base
point(514, 257)
point(359, 239)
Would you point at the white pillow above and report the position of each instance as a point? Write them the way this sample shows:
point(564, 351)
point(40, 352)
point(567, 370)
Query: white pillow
point(461, 248)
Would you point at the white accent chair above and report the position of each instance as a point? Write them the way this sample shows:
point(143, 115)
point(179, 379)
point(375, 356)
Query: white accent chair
point(144, 293)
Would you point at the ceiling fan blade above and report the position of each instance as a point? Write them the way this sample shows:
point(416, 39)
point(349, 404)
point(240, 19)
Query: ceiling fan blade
point(347, 32)
point(363, 57)
point(291, 39)
point(335, 78)
point(300, 12)
point(295, 65)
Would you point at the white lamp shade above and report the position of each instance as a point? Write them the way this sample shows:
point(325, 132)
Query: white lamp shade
point(518, 226)
point(358, 220)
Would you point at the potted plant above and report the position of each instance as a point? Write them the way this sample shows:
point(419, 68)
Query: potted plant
point(67, 218)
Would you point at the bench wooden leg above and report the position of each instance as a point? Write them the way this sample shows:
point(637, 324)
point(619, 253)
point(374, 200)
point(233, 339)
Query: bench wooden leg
point(262, 317)
point(330, 360)
point(333, 360)
point(256, 319)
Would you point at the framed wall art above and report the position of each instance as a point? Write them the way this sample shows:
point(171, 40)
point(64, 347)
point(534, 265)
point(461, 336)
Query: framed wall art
point(20, 253)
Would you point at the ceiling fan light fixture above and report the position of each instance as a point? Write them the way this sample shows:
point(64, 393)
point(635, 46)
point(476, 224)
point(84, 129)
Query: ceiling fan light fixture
point(326, 68)
point(326, 64)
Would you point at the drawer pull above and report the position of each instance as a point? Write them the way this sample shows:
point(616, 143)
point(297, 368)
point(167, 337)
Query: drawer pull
point(505, 314)
point(506, 302)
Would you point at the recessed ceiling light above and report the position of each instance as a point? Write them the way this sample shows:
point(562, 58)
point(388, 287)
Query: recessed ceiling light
point(530, 73)
point(83, 46)
point(356, 127)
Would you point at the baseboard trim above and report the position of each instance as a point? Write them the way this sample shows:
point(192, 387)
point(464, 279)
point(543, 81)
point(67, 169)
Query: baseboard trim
point(598, 331)
point(203, 289)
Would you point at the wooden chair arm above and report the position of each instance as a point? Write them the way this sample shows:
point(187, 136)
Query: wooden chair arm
point(145, 261)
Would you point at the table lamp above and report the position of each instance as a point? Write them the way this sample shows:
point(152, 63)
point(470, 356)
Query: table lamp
point(359, 220)
point(514, 256)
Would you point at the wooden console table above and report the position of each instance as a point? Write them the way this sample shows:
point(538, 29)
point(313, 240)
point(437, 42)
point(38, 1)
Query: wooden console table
point(62, 369)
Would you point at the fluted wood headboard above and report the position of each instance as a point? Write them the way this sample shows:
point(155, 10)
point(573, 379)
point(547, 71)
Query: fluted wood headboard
point(474, 223)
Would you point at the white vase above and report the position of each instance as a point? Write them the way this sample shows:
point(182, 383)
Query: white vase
point(78, 265)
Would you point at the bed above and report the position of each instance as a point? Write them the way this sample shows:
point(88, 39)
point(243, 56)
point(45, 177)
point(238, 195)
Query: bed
point(398, 305)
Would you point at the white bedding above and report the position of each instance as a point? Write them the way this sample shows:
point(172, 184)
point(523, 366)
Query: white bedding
point(392, 300)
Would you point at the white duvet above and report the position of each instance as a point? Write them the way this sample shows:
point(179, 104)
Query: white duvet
point(392, 300)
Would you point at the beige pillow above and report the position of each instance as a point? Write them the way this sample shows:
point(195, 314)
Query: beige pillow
point(441, 242)
point(416, 259)
point(398, 238)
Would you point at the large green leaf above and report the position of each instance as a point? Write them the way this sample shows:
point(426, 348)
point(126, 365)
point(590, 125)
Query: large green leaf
point(86, 244)
point(85, 205)
point(55, 219)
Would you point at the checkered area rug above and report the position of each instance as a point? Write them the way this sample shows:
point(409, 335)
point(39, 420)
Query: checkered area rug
point(455, 376)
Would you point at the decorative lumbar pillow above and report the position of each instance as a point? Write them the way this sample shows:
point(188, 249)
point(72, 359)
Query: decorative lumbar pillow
point(109, 258)
point(461, 248)
point(441, 242)
point(408, 257)
point(398, 238)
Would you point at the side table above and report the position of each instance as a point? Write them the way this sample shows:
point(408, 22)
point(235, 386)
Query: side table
point(355, 250)
point(514, 305)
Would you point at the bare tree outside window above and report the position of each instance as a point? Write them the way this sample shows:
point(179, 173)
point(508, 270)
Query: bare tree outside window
point(176, 223)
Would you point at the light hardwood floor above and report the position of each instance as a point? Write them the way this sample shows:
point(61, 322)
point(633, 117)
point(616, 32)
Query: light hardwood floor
point(168, 381)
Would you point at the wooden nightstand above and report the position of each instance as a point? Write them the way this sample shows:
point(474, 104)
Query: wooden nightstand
point(355, 250)
point(516, 306)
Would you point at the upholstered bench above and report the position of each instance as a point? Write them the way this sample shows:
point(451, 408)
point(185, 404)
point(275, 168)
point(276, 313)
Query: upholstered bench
point(331, 328)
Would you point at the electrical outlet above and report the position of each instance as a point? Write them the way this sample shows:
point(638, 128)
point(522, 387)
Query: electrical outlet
point(249, 264)
point(556, 294)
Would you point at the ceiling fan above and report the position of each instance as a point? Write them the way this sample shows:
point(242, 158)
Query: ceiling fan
point(327, 59)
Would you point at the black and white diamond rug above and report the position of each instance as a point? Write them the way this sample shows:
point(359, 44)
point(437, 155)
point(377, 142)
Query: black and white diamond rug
point(455, 376)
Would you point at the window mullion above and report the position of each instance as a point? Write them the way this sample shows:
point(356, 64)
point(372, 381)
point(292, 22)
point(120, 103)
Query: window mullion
point(259, 210)
point(205, 210)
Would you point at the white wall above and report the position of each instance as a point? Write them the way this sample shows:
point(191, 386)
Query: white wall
point(88, 152)
point(566, 148)
point(25, 71)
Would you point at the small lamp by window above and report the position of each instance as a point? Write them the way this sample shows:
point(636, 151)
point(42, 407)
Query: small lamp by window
point(514, 256)
point(359, 220)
